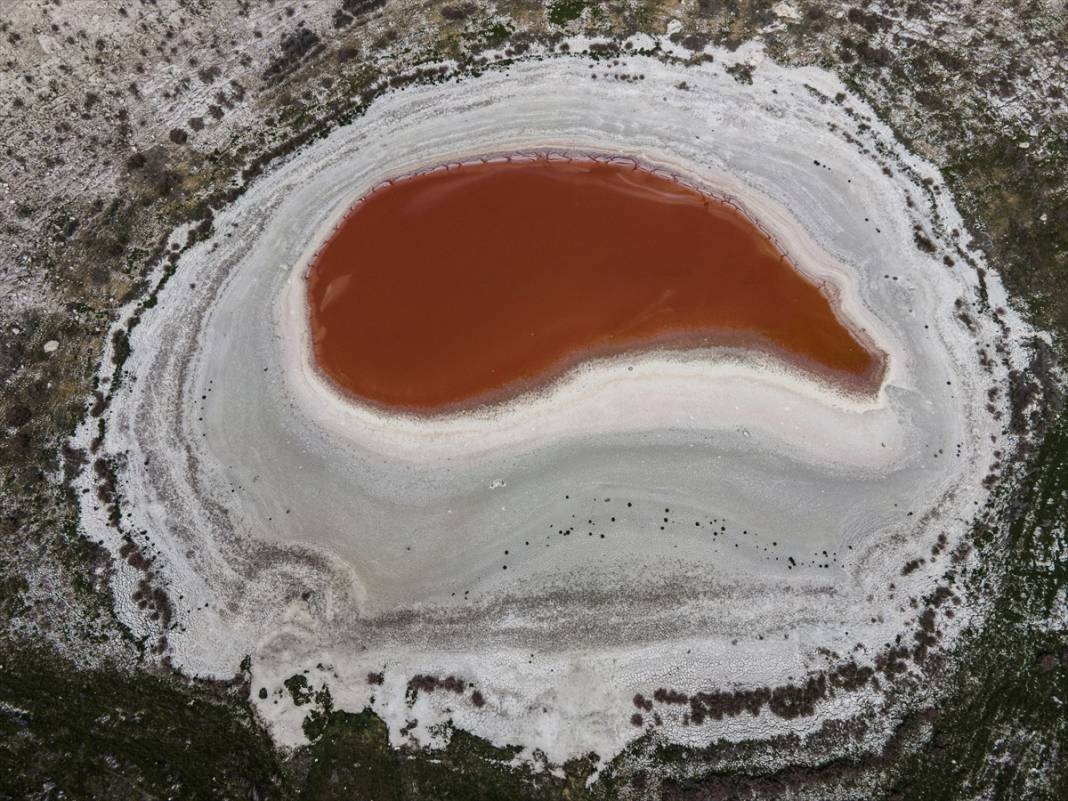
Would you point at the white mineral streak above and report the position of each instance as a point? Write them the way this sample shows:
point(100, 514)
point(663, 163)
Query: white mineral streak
point(305, 530)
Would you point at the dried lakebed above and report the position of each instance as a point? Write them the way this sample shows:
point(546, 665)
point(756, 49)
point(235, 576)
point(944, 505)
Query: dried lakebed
point(712, 522)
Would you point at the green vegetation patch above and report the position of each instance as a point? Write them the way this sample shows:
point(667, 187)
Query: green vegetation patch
point(562, 12)
point(352, 759)
point(112, 734)
point(1010, 694)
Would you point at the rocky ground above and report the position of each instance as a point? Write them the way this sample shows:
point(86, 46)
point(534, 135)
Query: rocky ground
point(124, 122)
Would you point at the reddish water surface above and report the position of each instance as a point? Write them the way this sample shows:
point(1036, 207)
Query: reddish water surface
point(465, 286)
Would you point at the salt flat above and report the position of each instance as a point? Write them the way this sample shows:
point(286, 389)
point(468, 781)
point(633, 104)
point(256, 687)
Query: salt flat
point(699, 522)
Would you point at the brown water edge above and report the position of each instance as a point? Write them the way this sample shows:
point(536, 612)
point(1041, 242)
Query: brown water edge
point(459, 288)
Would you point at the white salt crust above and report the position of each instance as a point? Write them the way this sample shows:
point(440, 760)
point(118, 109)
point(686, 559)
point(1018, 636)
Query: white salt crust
point(305, 530)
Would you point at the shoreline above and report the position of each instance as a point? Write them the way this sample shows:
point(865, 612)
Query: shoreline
point(220, 450)
point(429, 437)
point(715, 343)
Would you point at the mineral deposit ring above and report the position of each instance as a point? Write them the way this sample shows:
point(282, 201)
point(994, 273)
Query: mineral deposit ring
point(696, 518)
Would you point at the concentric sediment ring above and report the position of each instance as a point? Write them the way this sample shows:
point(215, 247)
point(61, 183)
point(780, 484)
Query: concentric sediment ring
point(712, 520)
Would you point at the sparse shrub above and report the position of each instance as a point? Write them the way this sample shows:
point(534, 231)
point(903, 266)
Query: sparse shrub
point(911, 566)
point(297, 684)
point(665, 696)
point(923, 242)
point(564, 11)
point(741, 72)
point(458, 11)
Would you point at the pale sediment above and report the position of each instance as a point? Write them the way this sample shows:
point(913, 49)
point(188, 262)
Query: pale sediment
point(707, 521)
